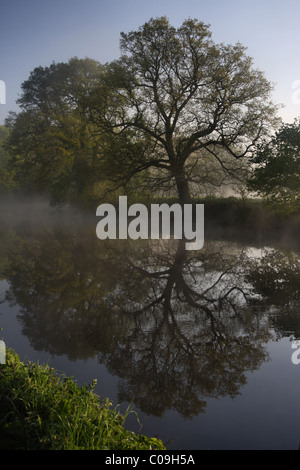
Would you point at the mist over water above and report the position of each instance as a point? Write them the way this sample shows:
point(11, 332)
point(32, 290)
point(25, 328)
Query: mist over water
point(37, 212)
point(254, 224)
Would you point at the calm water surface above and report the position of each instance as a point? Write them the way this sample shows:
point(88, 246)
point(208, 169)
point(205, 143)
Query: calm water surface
point(200, 343)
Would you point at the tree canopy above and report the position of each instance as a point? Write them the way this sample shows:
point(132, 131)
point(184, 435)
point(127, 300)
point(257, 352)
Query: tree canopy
point(52, 144)
point(6, 177)
point(276, 174)
point(173, 100)
point(182, 94)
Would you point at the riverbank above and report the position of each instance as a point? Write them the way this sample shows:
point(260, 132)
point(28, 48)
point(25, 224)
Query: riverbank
point(227, 218)
point(41, 410)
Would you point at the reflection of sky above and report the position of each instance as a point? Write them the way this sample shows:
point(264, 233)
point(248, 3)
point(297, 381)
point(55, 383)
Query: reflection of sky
point(39, 32)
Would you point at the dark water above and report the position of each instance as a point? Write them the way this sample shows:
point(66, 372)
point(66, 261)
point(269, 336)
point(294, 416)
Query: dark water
point(200, 343)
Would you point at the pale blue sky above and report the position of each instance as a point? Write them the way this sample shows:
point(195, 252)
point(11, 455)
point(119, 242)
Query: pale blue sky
point(38, 32)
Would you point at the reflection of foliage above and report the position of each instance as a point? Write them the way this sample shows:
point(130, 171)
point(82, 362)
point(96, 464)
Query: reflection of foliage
point(180, 362)
point(174, 327)
point(54, 278)
point(276, 280)
point(276, 277)
point(196, 342)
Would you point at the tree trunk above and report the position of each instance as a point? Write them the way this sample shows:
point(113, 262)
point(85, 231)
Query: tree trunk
point(183, 189)
point(185, 197)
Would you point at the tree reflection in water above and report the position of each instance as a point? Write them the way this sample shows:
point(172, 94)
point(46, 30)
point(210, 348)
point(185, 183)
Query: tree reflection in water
point(175, 326)
point(275, 279)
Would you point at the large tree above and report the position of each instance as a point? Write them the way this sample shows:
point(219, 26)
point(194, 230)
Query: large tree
point(173, 96)
point(52, 145)
point(174, 112)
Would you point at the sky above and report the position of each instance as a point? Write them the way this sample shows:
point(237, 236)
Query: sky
point(38, 32)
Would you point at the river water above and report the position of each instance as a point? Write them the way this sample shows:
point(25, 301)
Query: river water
point(202, 344)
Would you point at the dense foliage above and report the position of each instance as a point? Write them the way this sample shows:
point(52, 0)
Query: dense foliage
point(276, 174)
point(52, 143)
point(6, 176)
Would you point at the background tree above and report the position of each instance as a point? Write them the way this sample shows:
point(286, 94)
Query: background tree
point(222, 176)
point(173, 94)
point(276, 173)
point(6, 177)
point(52, 144)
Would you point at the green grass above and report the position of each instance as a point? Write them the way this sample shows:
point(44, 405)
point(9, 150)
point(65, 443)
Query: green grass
point(41, 410)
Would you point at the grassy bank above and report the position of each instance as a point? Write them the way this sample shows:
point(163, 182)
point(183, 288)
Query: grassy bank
point(41, 410)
